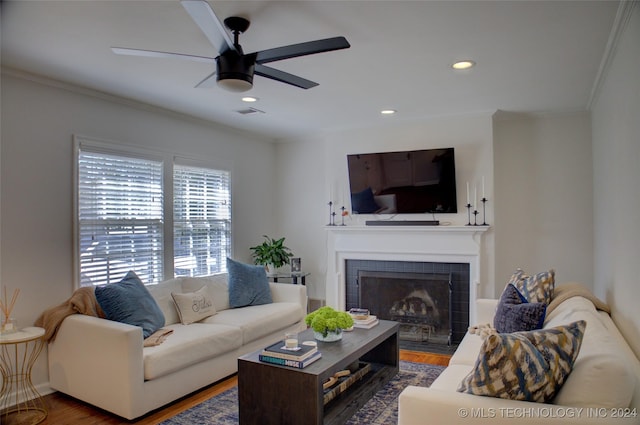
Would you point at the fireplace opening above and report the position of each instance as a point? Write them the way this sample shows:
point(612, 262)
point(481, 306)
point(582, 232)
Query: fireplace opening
point(447, 279)
point(420, 302)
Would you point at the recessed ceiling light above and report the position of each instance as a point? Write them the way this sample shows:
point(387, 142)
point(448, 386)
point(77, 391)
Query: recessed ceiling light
point(388, 111)
point(466, 64)
point(249, 99)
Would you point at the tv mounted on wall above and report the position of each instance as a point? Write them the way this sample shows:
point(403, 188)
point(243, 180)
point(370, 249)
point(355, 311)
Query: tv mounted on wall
point(418, 181)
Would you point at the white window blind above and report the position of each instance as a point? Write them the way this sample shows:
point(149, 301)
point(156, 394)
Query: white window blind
point(201, 220)
point(120, 217)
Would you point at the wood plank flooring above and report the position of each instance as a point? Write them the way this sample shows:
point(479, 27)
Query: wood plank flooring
point(64, 410)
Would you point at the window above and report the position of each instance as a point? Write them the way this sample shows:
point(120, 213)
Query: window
point(201, 220)
point(124, 213)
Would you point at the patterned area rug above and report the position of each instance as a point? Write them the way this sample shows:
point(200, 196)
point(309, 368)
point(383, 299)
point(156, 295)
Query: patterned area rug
point(382, 409)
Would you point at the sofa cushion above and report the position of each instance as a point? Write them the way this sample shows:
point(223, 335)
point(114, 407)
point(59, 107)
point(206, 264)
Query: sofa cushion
point(218, 288)
point(161, 292)
point(528, 366)
point(601, 376)
point(248, 285)
point(189, 345)
point(450, 378)
point(128, 301)
point(260, 320)
point(515, 314)
point(194, 306)
point(467, 352)
point(536, 288)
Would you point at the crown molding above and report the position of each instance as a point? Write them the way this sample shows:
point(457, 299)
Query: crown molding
point(623, 15)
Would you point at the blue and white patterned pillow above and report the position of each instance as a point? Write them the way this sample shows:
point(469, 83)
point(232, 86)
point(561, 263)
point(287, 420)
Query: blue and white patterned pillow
point(528, 366)
point(536, 288)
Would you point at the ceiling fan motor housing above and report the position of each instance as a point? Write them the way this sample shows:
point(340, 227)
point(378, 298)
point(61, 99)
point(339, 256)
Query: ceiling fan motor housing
point(235, 72)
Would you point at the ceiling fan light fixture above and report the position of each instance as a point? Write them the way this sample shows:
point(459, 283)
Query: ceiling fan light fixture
point(235, 72)
point(236, 85)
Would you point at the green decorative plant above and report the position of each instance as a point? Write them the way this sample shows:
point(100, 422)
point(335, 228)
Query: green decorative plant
point(271, 251)
point(326, 319)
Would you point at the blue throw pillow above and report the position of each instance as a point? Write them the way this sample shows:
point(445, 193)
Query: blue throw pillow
point(248, 285)
point(515, 314)
point(363, 202)
point(128, 301)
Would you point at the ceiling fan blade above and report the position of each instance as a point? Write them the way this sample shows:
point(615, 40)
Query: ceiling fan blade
point(209, 24)
point(302, 49)
point(209, 82)
point(156, 54)
point(283, 77)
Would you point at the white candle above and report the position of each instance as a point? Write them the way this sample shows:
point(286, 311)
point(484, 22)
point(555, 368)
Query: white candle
point(467, 193)
point(475, 196)
point(483, 195)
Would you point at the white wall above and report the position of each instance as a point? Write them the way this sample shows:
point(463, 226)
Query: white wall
point(543, 185)
point(616, 163)
point(38, 122)
point(317, 167)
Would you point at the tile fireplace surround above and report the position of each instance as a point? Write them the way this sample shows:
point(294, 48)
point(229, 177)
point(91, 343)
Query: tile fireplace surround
point(436, 244)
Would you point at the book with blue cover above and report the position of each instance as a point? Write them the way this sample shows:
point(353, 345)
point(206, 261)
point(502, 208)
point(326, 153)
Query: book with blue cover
point(300, 364)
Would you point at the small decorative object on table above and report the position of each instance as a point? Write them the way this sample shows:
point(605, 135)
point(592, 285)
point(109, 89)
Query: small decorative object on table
point(359, 313)
point(7, 323)
point(296, 265)
point(328, 324)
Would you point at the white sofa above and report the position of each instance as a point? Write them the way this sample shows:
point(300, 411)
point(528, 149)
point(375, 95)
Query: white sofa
point(603, 385)
point(104, 362)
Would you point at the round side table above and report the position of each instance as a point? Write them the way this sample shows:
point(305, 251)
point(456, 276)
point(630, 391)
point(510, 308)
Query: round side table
point(20, 402)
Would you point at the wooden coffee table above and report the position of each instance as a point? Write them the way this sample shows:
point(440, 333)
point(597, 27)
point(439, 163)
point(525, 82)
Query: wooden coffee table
point(278, 395)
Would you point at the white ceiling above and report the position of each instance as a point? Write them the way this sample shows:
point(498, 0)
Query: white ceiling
point(532, 56)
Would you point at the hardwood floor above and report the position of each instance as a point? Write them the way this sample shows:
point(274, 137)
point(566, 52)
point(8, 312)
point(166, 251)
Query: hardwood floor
point(64, 410)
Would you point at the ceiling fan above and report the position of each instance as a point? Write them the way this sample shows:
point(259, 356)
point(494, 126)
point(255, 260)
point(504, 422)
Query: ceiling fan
point(234, 69)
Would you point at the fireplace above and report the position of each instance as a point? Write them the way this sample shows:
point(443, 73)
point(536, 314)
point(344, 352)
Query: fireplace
point(430, 300)
point(450, 250)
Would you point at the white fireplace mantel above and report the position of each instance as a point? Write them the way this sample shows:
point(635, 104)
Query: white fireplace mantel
point(438, 244)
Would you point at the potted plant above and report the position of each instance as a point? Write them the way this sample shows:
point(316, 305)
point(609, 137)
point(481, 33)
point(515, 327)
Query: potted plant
point(271, 252)
point(327, 323)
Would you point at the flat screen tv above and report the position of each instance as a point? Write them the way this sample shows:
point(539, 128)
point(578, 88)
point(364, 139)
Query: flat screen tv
point(407, 182)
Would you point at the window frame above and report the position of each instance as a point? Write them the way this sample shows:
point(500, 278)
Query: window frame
point(168, 160)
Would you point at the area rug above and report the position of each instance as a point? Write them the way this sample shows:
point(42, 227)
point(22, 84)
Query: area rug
point(382, 409)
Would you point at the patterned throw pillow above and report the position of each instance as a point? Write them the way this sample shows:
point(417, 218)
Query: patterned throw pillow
point(194, 306)
point(248, 285)
point(536, 288)
point(515, 314)
point(529, 366)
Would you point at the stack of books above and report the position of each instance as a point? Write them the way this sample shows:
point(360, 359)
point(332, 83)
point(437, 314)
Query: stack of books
point(299, 358)
point(362, 319)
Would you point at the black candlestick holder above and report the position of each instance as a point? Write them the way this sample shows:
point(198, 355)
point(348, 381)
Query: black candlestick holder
point(484, 211)
point(475, 217)
point(468, 214)
point(342, 208)
point(332, 215)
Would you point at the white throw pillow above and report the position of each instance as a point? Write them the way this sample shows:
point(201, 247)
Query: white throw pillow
point(194, 306)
